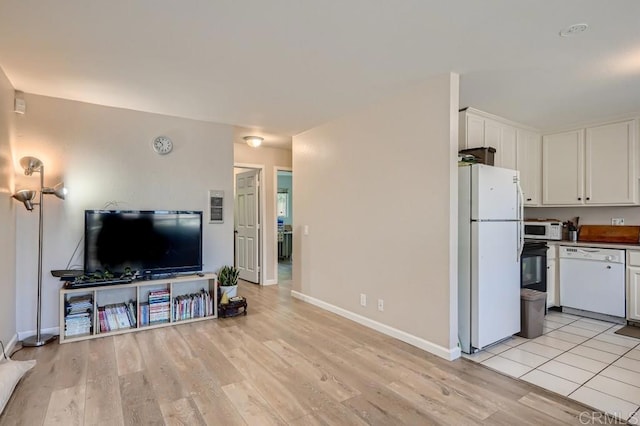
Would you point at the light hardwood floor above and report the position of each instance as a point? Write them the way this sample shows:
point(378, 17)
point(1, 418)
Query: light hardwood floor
point(286, 362)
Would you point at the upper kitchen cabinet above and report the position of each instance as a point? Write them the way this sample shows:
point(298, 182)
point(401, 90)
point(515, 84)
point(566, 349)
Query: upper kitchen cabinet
point(479, 129)
point(592, 166)
point(517, 147)
point(529, 163)
point(563, 168)
point(610, 164)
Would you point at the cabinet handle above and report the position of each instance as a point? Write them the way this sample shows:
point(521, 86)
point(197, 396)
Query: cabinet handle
point(528, 199)
point(579, 198)
point(588, 198)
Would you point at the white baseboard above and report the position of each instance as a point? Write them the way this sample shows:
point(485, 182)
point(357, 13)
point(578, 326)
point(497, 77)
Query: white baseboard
point(12, 344)
point(270, 282)
point(24, 334)
point(442, 352)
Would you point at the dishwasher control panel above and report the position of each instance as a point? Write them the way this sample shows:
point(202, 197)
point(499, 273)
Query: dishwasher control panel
point(592, 253)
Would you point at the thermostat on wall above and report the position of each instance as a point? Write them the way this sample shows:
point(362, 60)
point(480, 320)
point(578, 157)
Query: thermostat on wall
point(216, 204)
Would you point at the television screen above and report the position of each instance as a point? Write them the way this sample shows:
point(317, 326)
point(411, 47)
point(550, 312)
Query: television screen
point(149, 242)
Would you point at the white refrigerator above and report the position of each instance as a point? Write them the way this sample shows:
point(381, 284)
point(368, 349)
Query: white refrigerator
point(490, 241)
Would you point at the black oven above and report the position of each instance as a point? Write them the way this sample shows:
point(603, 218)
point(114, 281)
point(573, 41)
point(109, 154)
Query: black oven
point(533, 263)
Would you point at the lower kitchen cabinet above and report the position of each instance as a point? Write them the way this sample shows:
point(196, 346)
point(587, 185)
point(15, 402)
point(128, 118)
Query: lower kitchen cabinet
point(633, 285)
point(553, 290)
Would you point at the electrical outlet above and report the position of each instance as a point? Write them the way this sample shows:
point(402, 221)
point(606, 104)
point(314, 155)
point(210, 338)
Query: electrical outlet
point(617, 221)
point(380, 305)
point(363, 299)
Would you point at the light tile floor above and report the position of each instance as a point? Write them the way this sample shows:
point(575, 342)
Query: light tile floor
point(580, 358)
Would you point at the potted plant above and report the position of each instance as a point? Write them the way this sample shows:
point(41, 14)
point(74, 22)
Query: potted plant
point(228, 280)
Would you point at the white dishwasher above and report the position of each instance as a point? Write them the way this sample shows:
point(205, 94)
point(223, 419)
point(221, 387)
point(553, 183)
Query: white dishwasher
point(593, 279)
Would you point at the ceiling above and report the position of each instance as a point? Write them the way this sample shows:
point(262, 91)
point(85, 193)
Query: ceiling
point(284, 66)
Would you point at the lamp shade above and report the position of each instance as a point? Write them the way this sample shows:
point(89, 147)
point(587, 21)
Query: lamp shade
point(26, 197)
point(30, 165)
point(59, 191)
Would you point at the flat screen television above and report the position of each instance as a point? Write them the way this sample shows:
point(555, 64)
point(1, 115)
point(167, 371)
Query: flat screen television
point(148, 242)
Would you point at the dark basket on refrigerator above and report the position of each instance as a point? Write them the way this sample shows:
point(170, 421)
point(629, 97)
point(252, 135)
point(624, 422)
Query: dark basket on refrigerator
point(483, 155)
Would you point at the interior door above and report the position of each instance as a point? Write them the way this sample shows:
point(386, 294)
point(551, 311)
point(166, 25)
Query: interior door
point(247, 225)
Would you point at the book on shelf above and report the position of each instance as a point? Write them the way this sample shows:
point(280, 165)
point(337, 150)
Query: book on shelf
point(131, 312)
point(117, 316)
point(143, 313)
point(195, 305)
point(159, 306)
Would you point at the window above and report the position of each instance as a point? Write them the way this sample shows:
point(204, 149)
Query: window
point(283, 202)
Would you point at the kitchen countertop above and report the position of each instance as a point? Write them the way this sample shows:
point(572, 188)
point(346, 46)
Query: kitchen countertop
point(594, 244)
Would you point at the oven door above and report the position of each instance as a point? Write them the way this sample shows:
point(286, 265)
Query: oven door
point(533, 262)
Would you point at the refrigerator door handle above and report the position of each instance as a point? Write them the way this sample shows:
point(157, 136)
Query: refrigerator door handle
point(520, 219)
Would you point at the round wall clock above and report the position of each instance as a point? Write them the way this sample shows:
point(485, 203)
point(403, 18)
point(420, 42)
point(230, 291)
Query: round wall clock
point(162, 145)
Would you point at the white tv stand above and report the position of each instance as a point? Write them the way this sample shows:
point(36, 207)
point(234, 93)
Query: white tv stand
point(138, 291)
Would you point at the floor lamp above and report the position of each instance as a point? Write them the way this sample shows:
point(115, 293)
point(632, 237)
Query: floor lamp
point(31, 165)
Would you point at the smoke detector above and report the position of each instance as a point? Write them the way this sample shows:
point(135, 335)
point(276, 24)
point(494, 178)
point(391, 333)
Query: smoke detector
point(573, 30)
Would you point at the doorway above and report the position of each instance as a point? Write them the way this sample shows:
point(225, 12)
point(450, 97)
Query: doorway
point(284, 216)
point(248, 217)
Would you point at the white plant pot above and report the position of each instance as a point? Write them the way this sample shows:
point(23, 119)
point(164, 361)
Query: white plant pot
point(229, 290)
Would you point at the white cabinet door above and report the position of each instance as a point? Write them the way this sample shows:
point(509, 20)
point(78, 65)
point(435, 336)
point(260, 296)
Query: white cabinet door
point(552, 285)
point(563, 168)
point(502, 137)
point(492, 134)
point(471, 131)
point(507, 149)
point(610, 154)
point(529, 154)
point(633, 295)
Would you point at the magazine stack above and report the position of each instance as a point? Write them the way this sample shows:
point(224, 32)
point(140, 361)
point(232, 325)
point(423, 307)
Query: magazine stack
point(78, 311)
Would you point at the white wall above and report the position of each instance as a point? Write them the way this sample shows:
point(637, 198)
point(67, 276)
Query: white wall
point(7, 214)
point(378, 191)
point(270, 158)
point(104, 155)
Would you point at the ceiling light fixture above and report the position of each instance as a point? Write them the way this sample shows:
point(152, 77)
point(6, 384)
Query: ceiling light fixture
point(574, 29)
point(253, 141)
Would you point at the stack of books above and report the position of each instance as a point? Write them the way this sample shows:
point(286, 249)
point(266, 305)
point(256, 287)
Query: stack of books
point(77, 320)
point(159, 311)
point(196, 305)
point(118, 316)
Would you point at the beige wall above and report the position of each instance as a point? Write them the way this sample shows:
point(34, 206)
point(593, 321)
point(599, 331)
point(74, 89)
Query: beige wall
point(104, 156)
point(271, 158)
point(375, 190)
point(7, 214)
